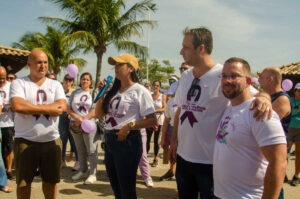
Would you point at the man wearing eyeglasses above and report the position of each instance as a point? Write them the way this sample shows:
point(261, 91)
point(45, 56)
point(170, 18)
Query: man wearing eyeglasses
point(6, 123)
point(250, 156)
point(200, 107)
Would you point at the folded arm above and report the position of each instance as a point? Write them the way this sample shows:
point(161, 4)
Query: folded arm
point(56, 108)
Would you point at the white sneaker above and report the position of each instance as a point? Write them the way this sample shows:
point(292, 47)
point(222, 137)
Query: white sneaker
point(149, 182)
point(91, 179)
point(78, 175)
point(76, 166)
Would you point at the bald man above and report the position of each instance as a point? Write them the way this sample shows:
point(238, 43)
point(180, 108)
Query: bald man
point(6, 123)
point(270, 80)
point(37, 101)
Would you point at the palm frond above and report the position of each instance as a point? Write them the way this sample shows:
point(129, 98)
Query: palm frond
point(132, 47)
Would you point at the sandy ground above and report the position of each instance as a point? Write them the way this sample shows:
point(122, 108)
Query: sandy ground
point(68, 189)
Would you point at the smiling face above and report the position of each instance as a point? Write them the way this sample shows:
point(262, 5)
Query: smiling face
point(234, 80)
point(156, 86)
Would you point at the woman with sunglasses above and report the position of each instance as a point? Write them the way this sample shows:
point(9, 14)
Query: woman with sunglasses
point(159, 100)
point(63, 126)
point(80, 108)
point(128, 107)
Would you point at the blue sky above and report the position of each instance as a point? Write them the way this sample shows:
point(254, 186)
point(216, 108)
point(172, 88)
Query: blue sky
point(265, 33)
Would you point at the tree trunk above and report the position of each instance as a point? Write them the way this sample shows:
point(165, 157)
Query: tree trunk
point(99, 66)
point(99, 50)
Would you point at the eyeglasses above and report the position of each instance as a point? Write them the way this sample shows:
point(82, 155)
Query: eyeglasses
point(183, 68)
point(69, 79)
point(194, 86)
point(232, 77)
point(156, 86)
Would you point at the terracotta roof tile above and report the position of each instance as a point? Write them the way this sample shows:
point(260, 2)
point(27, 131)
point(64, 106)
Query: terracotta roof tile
point(291, 69)
point(13, 51)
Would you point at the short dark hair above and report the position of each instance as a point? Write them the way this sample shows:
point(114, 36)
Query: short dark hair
point(201, 36)
point(246, 66)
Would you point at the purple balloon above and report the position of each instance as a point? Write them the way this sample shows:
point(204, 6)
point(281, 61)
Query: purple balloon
point(287, 84)
point(254, 80)
point(72, 70)
point(88, 126)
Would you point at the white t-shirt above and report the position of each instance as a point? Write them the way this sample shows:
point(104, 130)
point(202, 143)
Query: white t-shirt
point(37, 128)
point(158, 103)
point(82, 103)
point(200, 115)
point(128, 106)
point(239, 165)
point(6, 118)
point(170, 110)
point(173, 88)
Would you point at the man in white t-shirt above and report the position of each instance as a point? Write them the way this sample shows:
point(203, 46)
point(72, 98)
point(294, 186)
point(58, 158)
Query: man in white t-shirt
point(6, 123)
point(37, 101)
point(201, 104)
point(250, 156)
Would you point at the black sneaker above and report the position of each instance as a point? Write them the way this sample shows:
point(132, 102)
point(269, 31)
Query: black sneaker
point(154, 163)
point(295, 181)
point(9, 176)
point(167, 176)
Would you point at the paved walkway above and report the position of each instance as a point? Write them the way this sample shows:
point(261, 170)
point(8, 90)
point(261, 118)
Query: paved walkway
point(68, 189)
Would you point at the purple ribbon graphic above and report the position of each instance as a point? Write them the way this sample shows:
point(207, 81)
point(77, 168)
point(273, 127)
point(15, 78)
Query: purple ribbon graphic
point(112, 121)
point(82, 105)
point(44, 96)
point(3, 95)
point(190, 116)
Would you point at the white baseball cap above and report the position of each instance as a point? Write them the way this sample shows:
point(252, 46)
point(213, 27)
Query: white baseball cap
point(297, 86)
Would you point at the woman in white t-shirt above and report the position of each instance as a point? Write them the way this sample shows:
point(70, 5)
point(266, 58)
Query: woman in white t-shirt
point(159, 100)
point(128, 107)
point(81, 108)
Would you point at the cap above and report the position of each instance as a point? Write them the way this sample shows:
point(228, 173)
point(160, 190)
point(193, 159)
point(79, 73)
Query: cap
point(297, 86)
point(124, 59)
point(174, 77)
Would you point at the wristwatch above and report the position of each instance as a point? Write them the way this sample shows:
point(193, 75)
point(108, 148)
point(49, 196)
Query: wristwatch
point(131, 124)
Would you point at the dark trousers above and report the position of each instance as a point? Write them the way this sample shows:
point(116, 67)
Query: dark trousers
point(194, 178)
point(121, 160)
point(156, 139)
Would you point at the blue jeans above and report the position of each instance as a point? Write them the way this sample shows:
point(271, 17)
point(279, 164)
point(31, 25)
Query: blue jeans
point(3, 177)
point(65, 135)
point(121, 160)
point(194, 178)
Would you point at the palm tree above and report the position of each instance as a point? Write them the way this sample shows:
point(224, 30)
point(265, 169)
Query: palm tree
point(96, 24)
point(55, 44)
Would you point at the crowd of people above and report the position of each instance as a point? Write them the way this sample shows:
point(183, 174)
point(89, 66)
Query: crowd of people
point(222, 137)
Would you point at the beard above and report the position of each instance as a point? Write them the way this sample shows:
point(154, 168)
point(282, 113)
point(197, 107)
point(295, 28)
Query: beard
point(235, 91)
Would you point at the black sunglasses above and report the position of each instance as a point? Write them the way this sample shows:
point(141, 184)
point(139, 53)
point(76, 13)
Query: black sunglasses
point(194, 87)
point(9, 78)
point(183, 68)
point(69, 79)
